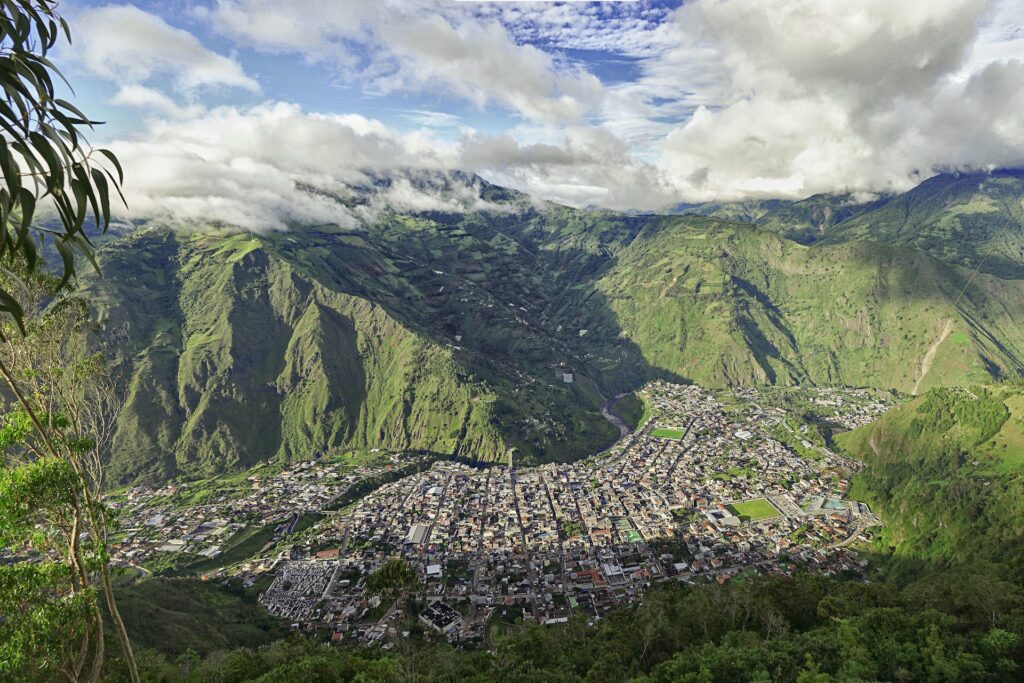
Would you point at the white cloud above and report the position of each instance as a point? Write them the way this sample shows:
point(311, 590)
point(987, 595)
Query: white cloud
point(141, 97)
point(241, 166)
point(633, 29)
point(417, 190)
point(126, 44)
point(480, 63)
point(827, 95)
point(245, 166)
point(577, 166)
point(416, 46)
point(431, 119)
point(729, 99)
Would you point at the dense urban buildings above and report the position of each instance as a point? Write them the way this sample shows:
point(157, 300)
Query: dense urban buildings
point(709, 486)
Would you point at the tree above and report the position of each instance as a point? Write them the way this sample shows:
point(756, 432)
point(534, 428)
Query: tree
point(51, 504)
point(51, 619)
point(394, 579)
point(45, 157)
point(50, 500)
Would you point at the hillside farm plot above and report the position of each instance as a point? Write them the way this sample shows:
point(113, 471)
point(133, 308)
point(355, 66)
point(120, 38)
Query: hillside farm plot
point(754, 510)
point(668, 433)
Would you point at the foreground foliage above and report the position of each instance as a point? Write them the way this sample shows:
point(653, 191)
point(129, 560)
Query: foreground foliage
point(56, 426)
point(802, 628)
point(44, 156)
point(56, 402)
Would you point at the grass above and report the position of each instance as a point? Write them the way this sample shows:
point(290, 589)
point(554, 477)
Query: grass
point(174, 615)
point(664, 433)
point(754, 510)
point(1005, 450)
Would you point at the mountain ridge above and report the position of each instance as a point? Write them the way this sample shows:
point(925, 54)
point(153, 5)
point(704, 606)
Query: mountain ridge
point(973, 219)
point(284, 369)
point(525, 318)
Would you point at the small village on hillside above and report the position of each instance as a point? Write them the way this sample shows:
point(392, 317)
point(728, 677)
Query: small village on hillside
point(709, 486)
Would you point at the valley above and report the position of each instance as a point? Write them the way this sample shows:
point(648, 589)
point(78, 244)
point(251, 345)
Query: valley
point(574, 341)
point(452, 428)
point(536, 415)
point(471, 334)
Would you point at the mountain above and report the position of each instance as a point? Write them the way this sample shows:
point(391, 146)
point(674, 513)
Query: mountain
point(946, 472)
point(810, 220)
point(746, 211)
point(725, 303)
point(805, 221)
point(498, 323)
point(975, 220)
point(233, 357)
point(423, 331)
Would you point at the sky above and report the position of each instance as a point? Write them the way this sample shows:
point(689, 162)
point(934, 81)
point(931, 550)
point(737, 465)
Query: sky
point(219, 108)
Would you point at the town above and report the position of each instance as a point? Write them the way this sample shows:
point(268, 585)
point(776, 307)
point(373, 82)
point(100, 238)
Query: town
point(709, 486)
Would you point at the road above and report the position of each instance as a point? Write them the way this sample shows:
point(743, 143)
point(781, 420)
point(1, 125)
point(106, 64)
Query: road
point(684, 450)
point(561, 547)
point(531, 570)
point(480, 540)
point(433, 519)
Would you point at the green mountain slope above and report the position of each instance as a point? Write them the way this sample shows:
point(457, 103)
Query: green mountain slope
point(805, 221)
point(971, 220)
point(967, 219)
point(470, 333)
point(746, 211)
point(233, 357)
point(812, 219)
point(946, 473)
point(722, 303)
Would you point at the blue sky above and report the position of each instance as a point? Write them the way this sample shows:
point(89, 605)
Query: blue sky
point(318, 84)
point(619, 104)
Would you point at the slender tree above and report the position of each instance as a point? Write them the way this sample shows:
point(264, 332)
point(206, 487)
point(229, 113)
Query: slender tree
point(54, 436)
point(50, 500)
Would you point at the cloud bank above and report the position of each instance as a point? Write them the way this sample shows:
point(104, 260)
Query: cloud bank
point(246, 167)
point(722, 99)
point(829, 95)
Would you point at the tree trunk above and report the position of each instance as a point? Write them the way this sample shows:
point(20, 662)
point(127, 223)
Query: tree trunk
point(122, 632)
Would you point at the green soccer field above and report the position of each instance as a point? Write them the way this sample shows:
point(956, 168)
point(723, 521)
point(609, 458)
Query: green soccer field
point(754, 510)
point(674, 434)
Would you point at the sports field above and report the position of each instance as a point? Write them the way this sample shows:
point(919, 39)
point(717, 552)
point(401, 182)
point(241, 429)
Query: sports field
point(754, 510)
point(662, 433)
